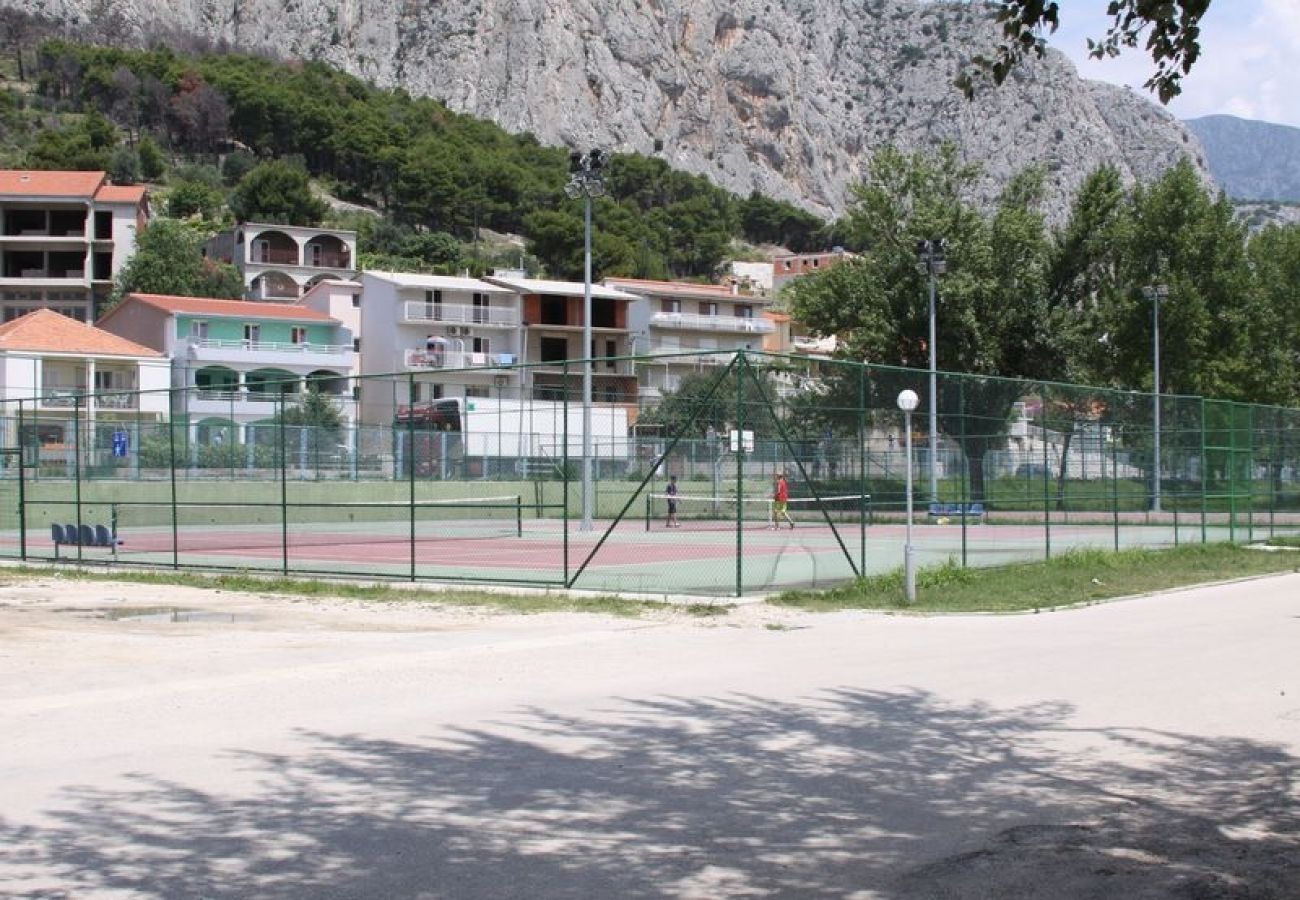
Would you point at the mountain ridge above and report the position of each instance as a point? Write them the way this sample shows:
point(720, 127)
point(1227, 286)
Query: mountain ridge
point(787, 98)
point(1250, 159)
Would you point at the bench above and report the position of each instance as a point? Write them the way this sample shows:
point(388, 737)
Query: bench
point(82, 536)
point(957, 511)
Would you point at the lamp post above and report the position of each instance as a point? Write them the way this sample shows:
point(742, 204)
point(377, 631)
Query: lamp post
point(907, 402)
point(586, 180)
point(1155, 293)
point(931, 254)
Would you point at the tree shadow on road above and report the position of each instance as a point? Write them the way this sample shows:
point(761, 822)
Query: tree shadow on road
point(886, 794)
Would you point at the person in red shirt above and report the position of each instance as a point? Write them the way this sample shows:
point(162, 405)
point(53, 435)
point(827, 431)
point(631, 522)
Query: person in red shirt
point(781, 502)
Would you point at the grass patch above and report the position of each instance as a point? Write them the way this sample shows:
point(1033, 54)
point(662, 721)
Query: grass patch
point(524, 603)
point(1284, 542)
point(1077, 577)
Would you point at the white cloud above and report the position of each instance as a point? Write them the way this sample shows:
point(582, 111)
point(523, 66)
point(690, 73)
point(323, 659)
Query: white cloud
point(1249, 49)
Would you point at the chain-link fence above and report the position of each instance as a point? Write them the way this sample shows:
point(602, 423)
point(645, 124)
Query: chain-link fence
point(477, 475)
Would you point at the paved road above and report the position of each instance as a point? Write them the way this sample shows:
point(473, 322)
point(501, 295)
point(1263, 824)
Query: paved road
point(265, 748)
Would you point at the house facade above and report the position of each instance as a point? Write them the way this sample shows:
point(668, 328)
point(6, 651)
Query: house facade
point(795, 265)
point(552, 328)
point(71, 375)
point(237, 363)
point(442, 337)
point(279, 263)
point(64, 236)
point(671, 319)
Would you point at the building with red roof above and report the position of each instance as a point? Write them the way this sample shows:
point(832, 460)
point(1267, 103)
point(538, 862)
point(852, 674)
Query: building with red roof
point(64, 236)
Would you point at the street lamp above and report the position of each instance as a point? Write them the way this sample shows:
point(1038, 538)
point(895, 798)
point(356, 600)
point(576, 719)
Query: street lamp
point(907, 402)
point(586, 180)
point(931, 254)
point(1155, 293)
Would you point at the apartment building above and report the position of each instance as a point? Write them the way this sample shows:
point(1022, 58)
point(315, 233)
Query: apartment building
point(454, 337)
point(551, 330)
point(671, 319)
point(280, 262)
point(68, 373)
point(795, 265)
point(64, 236)
point(240, 362)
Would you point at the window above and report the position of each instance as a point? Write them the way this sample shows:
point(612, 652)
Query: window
point(252, 332)
point(477, 390)
point(480, 308)
point(554, 349)
point(611, 394)
point(199, 329)
point(103, 225)
point(671, 305)
point(611, 350)
point(298, 335)
point(744, 311)
point(356, 345)
point(433, 305)
point(604, 313)
point(356, 301)
point(555, 310)
point(479, 345)
point(708, 308)
point(816, 262)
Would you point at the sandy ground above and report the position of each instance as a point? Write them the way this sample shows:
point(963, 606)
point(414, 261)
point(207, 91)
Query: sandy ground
point(251, 746)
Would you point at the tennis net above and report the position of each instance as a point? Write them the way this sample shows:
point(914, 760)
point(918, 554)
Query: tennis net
point(149, 526)
point(701, 512)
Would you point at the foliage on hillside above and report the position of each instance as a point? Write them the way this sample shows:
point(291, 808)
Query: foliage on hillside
point(426, 168)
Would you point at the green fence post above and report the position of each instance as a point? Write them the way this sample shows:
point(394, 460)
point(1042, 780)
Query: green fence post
point(965, 468)
point(1205, 478)
point(564, 463)
point(171, 470)
point(284, 491)
point(22, 489)
point(76, 465)
point(1047, 487)
point(864, 500)
point(410, 468)
point(1114, 481)
point(742, 365)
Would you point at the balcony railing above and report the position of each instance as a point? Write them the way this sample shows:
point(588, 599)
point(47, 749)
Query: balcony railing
point(713, 323)
point(455, 359)
point(328, 260)
point(459, 313)
point(268, 346)
point(276, 255)
point(234, 396)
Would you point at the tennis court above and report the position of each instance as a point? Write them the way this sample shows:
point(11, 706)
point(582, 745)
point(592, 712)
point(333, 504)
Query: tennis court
point(719, 547)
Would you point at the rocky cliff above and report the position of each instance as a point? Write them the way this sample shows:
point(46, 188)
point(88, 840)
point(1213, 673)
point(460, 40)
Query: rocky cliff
point(1252, 160)
point(788, 97)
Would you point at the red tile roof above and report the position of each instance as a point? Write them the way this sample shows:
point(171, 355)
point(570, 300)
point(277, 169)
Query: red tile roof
point(240, 309)
point(49, 332)
point(116, 193)
point(19, 183)
point(685, 288)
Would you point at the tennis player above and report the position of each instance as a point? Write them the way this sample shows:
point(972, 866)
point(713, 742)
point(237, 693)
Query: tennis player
point(781, 502)
point(672, 503)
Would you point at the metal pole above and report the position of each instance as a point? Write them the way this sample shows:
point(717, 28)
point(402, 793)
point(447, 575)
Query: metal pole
point(934, 392)
point(586, 367)
point(909, 552)
point(1155, 400)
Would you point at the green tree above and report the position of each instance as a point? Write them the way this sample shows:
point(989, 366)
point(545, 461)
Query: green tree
point(1169, 31)
point(168, 260)
point(190, 198)
point(124, 165)
point(277, 192)
point(314, 423)
point(153, 165)
point(993, 314)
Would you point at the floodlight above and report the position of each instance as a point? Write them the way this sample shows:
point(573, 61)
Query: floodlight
point(908, 400)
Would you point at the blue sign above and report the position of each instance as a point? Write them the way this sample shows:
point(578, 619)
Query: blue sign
point(121, 441)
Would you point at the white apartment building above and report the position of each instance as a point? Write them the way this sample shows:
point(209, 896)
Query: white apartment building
point(670, 319)
point(64, 236)
point(280, 263)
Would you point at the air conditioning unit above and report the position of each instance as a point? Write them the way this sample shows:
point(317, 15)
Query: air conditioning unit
point(458, 330)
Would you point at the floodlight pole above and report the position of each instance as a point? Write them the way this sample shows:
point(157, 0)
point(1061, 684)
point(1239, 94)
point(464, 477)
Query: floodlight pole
point(586, 181)
point(1155, 293)
point(931, 254)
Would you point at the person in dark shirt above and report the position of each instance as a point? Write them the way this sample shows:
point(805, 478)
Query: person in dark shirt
point(672, 503)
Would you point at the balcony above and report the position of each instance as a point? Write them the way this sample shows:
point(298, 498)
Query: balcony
point(697, 322)
point(268, 352)
point(259, 404)
point(275, 256)
point(320, 259)
point(426, 360)
point(416, 312)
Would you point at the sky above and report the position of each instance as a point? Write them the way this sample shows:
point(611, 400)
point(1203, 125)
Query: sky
point(1250, 50)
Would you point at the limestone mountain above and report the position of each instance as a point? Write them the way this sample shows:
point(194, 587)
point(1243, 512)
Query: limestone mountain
point(787, 97)
point(1251, 160)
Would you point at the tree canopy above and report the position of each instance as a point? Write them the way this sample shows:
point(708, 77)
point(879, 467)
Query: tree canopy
point(1170, 31)
point(168, 260)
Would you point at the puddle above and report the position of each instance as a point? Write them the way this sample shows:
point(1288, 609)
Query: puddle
point(168, 614)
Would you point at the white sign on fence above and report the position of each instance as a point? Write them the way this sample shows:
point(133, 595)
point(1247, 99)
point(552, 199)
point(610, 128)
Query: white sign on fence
point(738, 436)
